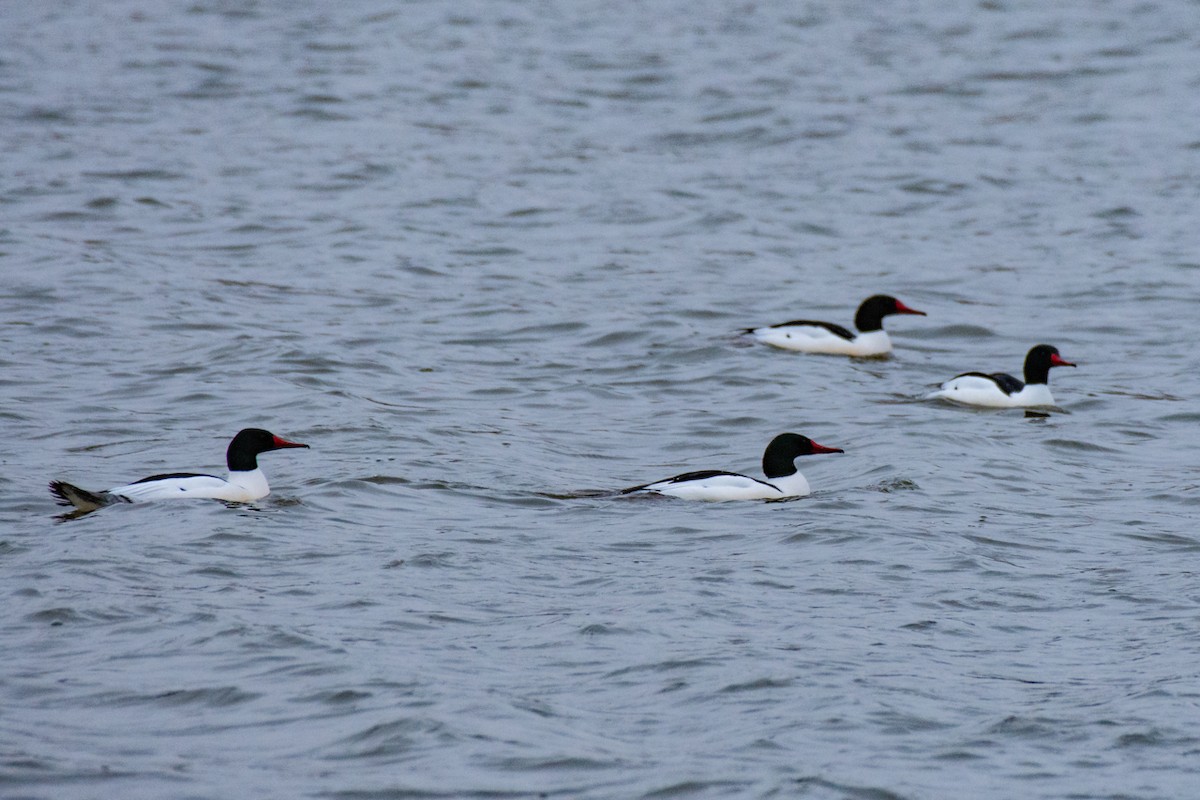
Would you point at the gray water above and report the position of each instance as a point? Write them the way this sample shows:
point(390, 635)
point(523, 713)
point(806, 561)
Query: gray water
point(490, 261)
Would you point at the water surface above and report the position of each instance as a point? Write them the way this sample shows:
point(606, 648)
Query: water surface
point(489, 259)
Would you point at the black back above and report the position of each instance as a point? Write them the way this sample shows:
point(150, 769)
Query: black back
point(169, 475)
point(698, 475)
point(836, 330)
point(1007, 383)
point(687, 476)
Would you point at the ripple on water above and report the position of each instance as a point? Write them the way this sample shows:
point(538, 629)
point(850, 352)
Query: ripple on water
point(480, 258)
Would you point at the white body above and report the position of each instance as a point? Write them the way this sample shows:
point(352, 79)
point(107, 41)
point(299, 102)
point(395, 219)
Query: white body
point(974, 390)
point(816, 339)
point(727, 486)
point(241, 487)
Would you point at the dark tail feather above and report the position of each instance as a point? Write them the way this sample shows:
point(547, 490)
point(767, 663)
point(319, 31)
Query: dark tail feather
point(67, 494)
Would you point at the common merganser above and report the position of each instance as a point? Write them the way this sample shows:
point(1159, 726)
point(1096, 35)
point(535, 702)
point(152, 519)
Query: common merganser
point(783, 479)
point(246, 481)
point(811, 336)
point(1001, 390)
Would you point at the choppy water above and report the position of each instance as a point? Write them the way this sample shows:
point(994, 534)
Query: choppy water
point(485, 257)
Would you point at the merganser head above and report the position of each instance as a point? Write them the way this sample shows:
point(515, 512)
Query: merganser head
point(1039, 361)
point(785, 449)
point(872, 311)
point(242, 455)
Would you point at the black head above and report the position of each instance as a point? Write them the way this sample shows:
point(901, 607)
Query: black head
point(243, 451)
point(1039, 361)
point(872, 311)
point(786, 448)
